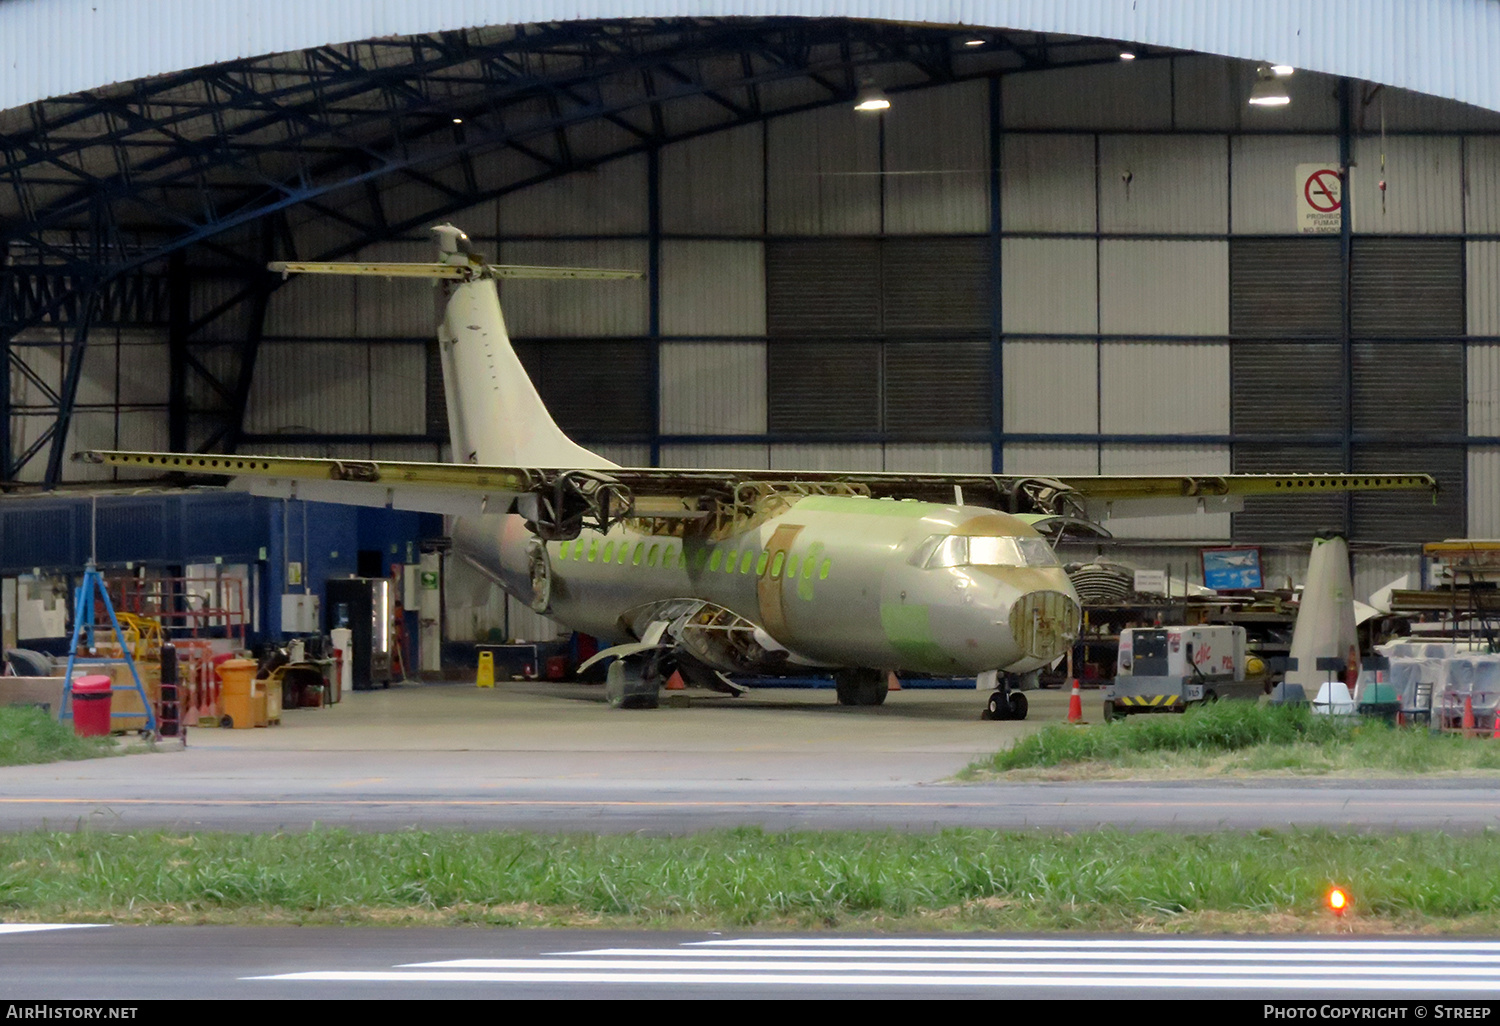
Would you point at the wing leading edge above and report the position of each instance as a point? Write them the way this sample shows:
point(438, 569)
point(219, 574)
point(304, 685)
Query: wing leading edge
point(554, 496)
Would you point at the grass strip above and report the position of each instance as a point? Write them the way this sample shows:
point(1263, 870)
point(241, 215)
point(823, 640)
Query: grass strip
point(1257, 737)
point(963, 879)
point(30, 735)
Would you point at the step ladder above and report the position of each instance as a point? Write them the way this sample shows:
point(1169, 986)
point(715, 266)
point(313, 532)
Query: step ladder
point(83, 627)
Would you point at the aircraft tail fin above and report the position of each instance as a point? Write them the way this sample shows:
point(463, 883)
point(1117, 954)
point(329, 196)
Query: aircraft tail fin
point(495, 414)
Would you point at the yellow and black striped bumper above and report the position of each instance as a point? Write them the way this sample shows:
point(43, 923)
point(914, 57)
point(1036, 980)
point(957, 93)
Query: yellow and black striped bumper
point(1149, 701)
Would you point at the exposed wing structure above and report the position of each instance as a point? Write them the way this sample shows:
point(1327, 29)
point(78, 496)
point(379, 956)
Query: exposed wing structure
point(558, 502)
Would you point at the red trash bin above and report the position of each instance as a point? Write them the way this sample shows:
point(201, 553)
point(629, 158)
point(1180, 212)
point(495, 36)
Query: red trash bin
point(91, 701)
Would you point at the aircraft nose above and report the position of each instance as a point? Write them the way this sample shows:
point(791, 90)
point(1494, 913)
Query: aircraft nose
point(1044, 623)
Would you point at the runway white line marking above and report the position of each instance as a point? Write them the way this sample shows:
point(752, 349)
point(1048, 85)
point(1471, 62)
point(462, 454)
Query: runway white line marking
point(1346, 946)
point(34, 927)
point(758, 965)
point(1333, 959)
point(1323, 983)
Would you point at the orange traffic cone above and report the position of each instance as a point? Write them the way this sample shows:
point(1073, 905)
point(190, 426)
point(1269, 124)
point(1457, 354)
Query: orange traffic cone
point(1075, 704)
point(675, 683)
point(893, 682)
point(1468, 723)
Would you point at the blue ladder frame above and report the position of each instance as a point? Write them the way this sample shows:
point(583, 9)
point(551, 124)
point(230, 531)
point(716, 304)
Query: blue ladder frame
point(83, 624)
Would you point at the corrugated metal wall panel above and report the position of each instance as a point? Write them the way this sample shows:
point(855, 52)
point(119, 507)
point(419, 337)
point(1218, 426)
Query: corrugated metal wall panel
point(1047, 183)
point(97, 377)
point(1272, 518)
point(739, 456)
point(1415, 46)
point(938, 457)
point(820, 173)
point(1482, 184)
point(1164, 183)
point(398, 389)
point(1162, 287)
point(1407, 287)
point(1482, 269)
point(609, 199)
point(1284, 387)
point(1412, 389)
point(145, 369)
point(713, 288)
point(710, 388)
point(1484, 492)
point(208, 294)
point(1121, 94)
point(1049, 285)
point(827, 457)
point(142, 431)
point(1208, 93)
point(714, 183)
point(1051, 387)
point(1167, 459)
point(823, 286)
point(598, 387)
point(937, 161)
point(320, 305)
point(935, 284)
point(934, 389)
point(1164, 388)
point(1405, 110)
point(1285, 286)
point(309, 387)
point(402, 309)
point(823, 387)
point(1484, 390)
point(1376, 570)
point(529, 625)
point(1424, 184)
point(1051, 459)
point(536, 309)
point(89, 429)
point(1263, 190)
point(1408, 516)
point(409, 452)
point(625, 454)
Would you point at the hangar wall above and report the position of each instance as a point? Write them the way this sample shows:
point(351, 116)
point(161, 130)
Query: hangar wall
point(1092, 270)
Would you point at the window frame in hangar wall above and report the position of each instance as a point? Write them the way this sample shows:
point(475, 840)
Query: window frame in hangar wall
point(788, 417)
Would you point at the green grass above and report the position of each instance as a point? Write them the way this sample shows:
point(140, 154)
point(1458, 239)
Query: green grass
point(747, 878)
point(1242, 736)
point(29, 735)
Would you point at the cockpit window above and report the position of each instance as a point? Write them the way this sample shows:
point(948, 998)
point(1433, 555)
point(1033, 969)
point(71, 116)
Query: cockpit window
point(961, 551)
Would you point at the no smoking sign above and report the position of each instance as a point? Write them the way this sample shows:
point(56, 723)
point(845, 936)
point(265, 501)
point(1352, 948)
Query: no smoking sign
point(1320, 198)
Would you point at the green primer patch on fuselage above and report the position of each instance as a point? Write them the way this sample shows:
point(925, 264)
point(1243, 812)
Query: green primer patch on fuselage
point(908, 629)
point(906, 510)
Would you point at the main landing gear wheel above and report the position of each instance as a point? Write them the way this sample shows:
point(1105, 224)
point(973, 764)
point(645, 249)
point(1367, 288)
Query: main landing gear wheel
point(1006, 706)
point(1110, 715)
point(860, 687)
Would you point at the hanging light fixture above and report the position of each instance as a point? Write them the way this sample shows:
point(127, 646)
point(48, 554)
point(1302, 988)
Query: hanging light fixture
point(871, 99)
point(1268, 90)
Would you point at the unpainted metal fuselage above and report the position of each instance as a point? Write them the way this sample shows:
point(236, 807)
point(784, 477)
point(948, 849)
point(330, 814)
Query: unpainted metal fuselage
point(834, 580)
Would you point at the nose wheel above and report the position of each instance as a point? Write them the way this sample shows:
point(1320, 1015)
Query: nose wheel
point(1006, 705)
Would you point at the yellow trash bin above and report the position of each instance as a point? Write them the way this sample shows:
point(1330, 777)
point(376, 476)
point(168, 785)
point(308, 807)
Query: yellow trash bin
point(486, 678)
point(238, 693)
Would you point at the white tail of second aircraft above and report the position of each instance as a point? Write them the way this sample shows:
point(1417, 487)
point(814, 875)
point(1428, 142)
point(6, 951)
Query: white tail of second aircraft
point(495, 415)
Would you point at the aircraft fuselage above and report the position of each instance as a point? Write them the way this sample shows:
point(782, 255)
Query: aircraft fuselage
point(834, 580)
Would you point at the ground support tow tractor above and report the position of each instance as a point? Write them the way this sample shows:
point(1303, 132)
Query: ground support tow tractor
point(1166, 669)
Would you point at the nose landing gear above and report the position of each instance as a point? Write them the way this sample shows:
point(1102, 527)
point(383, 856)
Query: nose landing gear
point(1007, 702)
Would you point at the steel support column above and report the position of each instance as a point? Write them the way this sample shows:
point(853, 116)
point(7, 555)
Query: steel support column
point(653, 294)
point(1346, 299)
point(178, 313)
point(87, 306)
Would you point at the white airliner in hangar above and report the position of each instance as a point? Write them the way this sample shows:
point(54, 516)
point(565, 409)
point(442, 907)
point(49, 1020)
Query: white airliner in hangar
point(718, 572)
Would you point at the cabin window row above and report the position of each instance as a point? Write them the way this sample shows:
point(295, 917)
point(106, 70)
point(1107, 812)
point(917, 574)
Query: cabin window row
point(716, 561)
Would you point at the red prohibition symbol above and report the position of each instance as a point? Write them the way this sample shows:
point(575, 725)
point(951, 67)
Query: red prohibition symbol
point(1322, 191)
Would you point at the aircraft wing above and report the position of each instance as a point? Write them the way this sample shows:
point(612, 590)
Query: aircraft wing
point(558, 500)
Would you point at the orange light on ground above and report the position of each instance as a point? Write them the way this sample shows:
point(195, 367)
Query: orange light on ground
point(1338, 900)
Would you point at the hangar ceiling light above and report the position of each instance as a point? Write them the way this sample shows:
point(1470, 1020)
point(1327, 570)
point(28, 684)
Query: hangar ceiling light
point(871, 99)
point(1268, 90)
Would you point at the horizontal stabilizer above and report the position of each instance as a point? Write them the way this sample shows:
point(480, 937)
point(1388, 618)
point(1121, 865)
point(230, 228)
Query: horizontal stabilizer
point(451, 272)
